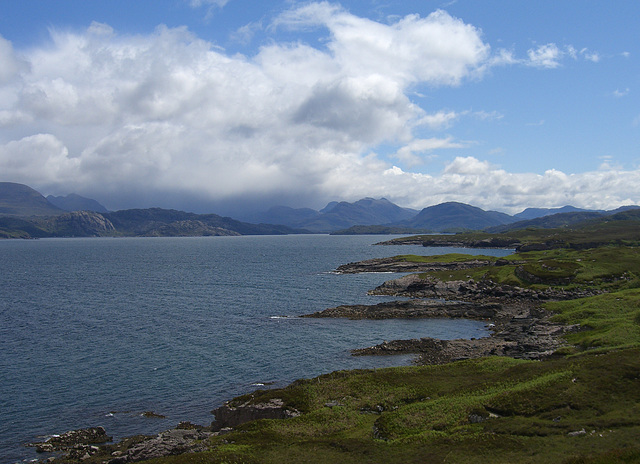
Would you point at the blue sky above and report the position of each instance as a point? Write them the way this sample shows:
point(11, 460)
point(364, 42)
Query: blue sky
point(215, 105)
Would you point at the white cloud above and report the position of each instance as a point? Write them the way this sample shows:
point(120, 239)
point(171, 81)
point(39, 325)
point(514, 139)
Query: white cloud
point(199, 3)
point(409, 153)
point(590, 55)
point(40, 159)
point(439, 120)
point(10, 64)
point(621, 93)
point(148, 120)
point(545, 56)
point(438, 49)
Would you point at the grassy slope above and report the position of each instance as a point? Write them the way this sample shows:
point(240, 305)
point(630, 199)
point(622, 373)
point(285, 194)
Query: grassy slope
point(489, 410)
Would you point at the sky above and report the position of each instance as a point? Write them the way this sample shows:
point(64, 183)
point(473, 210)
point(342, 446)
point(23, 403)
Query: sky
point(230, 106)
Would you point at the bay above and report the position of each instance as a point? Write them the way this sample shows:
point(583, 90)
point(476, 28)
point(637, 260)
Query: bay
point(98, 331)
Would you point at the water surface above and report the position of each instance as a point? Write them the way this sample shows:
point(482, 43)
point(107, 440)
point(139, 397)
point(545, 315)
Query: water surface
point(97, 331)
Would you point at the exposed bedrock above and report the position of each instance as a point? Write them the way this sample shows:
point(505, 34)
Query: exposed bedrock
point(71, 439)
point(412, 309)
point(394, 265)
point(417, 286)
point(232, 415)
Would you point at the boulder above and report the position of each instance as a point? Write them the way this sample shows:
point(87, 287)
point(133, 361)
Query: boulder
point(229, 415)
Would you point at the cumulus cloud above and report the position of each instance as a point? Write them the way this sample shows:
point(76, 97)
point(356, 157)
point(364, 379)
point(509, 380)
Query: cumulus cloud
point(171, 111)
point(469, 180)
point(168, 119)
point(550, 56)
point(410, 153)
point(545, 56)
point(438, 49)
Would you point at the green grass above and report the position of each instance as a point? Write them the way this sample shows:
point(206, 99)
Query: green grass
point(609, 321)
point(609, 268)
point(446, 258)
point(528, 410)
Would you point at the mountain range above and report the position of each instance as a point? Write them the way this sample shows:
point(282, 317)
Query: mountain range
point(24, 212)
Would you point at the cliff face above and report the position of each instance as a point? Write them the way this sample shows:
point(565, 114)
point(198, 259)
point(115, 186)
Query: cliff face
point(81, 224)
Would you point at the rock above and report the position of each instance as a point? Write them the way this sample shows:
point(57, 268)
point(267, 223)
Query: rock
point(230, 415)
point(72, 439)
point(394, 265)
point(411, 309)
point(186, 425)
point(476, 418)
point(83, 223)
point(169, 443)
point(577, 433)
point(332, 404)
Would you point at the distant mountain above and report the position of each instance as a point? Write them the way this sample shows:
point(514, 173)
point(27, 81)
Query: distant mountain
point(21, 200)
point(559, 220)
point(292, 217)
point(533, 213)
point(73, 202)
point(379, 230)
point(453, 216)
point(338, 215)
point(624, 208)
point(25, 213)
point(552, 221)
point(170, 222)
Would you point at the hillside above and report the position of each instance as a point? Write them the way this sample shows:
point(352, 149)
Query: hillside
point(74, 202)
point(452, 216)
point(21, 200)
point(533, 213)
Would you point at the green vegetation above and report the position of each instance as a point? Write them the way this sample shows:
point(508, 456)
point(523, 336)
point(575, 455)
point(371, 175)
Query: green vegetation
point(607, 268)
point(448, 258)
point(609, 321)
point(496, 410)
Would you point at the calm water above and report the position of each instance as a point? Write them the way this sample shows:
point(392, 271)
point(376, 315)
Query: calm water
point(97, 331)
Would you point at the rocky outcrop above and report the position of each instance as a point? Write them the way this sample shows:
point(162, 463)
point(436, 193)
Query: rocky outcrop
point(189, 228)
point(396, 265)
point(519, 327)
point(169, 443)
point(456, 242)
point(412, 309)
point(416, 286)
point(492, 242)
point(72, 439)
point(82, 224)
point(435, 351)
point(232, 415)
point(529, 335)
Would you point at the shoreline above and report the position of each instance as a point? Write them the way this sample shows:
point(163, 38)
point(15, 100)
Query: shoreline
point(519, 329)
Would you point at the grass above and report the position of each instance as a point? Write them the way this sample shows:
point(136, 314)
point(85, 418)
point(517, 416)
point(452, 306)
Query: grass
point(609, 321)
point(608, 268)
point(446, 258)
point(489, 410)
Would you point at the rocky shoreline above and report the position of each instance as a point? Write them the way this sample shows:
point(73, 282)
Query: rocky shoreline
point(519, 328)
point(92, 444)
point(394, 265)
